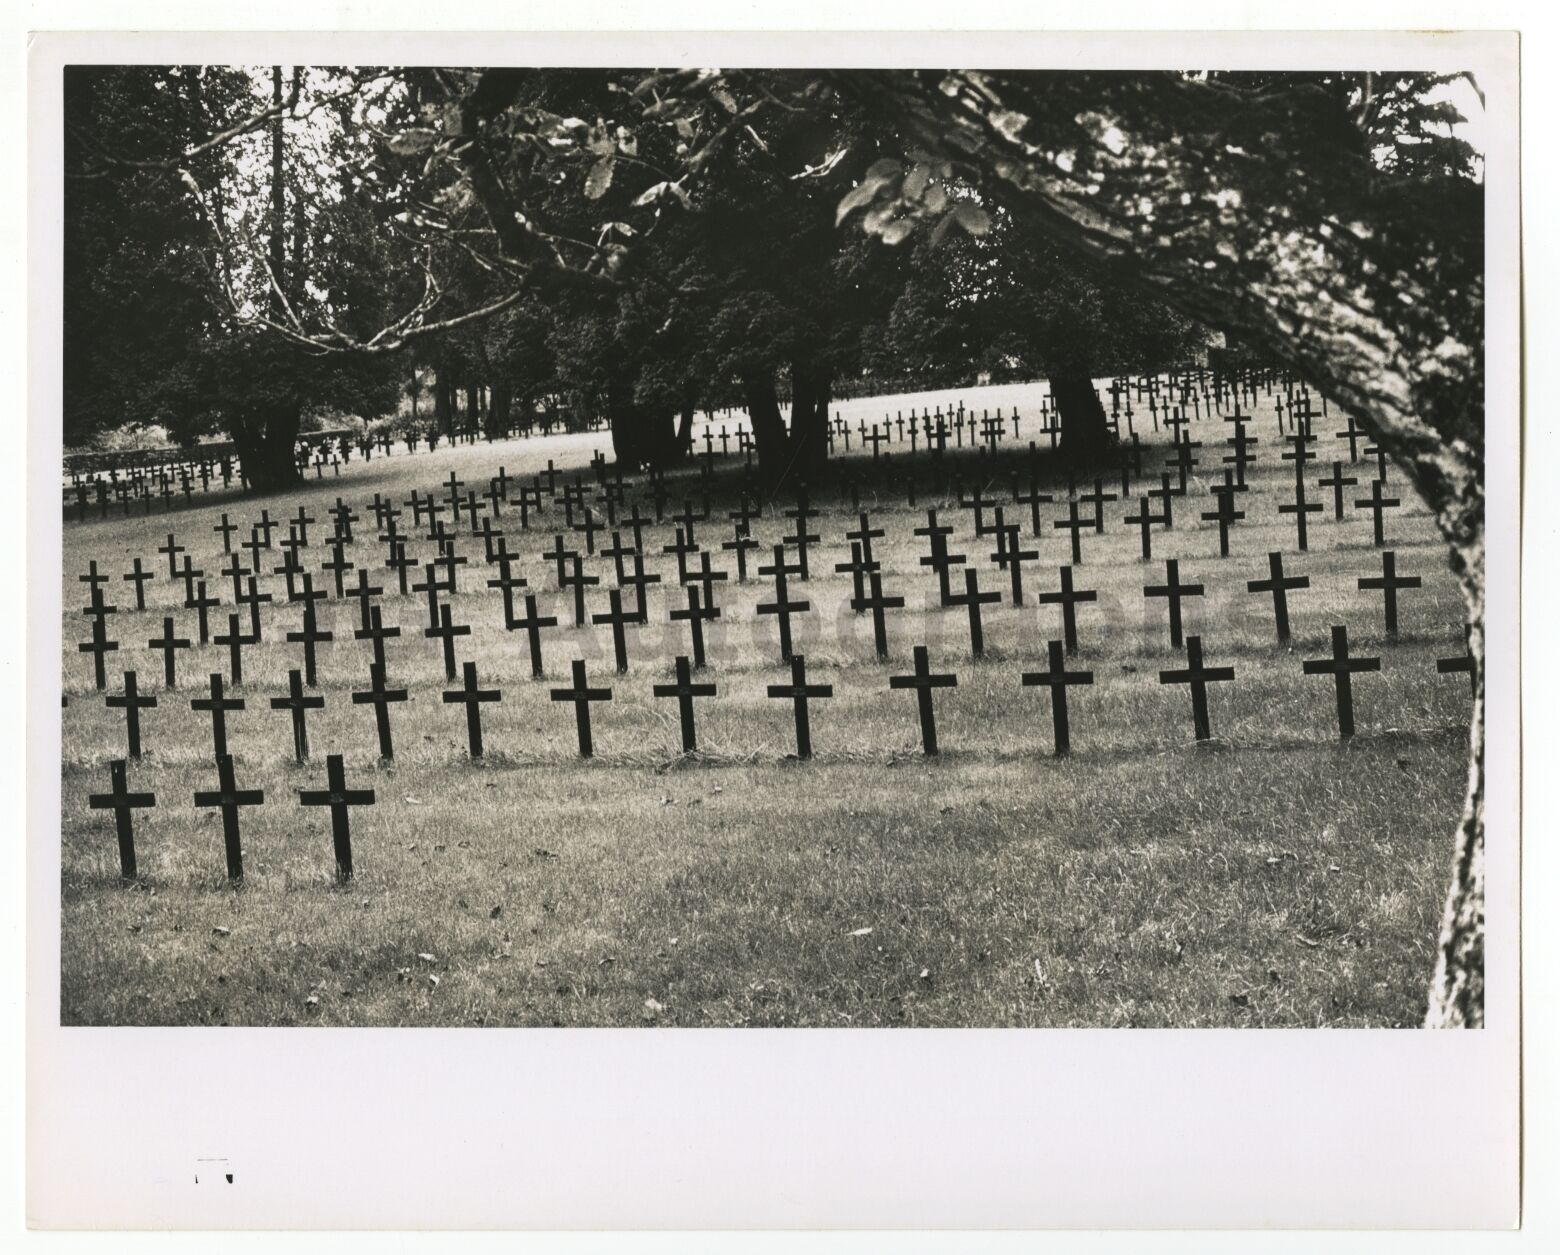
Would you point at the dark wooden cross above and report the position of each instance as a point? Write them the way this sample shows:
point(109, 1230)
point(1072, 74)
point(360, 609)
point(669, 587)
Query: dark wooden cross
point(696, 615)
point(618, 619)
point(1279, 586)
point(235, 640)
point(1300, 507)
point(446, 633)
point(1144, 519)
point(1353, 435)
point(218, 705)
point(230, 798)
point(782, 606)
point(124, 804)
point(1166, 496)
point(132, 702)
point(1073, 524)
point(1098, 499)
point(1338, 481)
point(1197, 677)
point(1462, 664)
point(377, 633)
point(1068, 598)
point(740, 543)
point(877, 603)
point(800, 692)
point(364, 592)
point(533, 623)
point(1057, 678)
point(1377, 504)
point(1173, 590)
point(579, 582)
point(685, 690)
point(973, 599)
point(1034, 499)
point(170, 645)
point(582, 695)
point(1342, 668)
point(859, 566)
point(1226, 515)
point(473, 697)
point(1011, 555)
point(98, 646)
point(226, 528)
point(308, 636)
point(379, 697)
point(1389, 581)
point(172, 549)
point(138, 576)
point(923, 682)
point(340, 799)
point(299, 703)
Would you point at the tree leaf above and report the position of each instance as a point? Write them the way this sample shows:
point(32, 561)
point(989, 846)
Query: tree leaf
point(972, 218)
point(598, 180)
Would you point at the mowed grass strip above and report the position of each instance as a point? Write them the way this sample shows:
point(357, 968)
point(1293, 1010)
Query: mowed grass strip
point(1277, 878)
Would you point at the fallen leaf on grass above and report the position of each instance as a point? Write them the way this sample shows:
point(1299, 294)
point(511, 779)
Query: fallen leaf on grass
point(654, 1007)
point(415, 801)
point(860, 932)
point(427, 958)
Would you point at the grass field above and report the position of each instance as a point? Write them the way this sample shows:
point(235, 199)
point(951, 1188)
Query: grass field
point(1277, 877)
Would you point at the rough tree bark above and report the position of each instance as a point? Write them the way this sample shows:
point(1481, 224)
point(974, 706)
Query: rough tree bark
point(267, 440)
point(809, 418)
point(444, 400)
point(1085, 435)
point(769, 434)
point(1260, 213)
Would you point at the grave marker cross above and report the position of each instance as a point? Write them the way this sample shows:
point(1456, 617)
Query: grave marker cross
point(582, 695)
point(923, 682)
point(1389, 581)
point(379, 697)
point(1342, 667)
point(1279, 586)
point(1067, 597)
point(1057, 678)
point(685, 690)
point(230, 798)
point(1197, 677)
point(124, 804)
point(1173, 590)
point(299, 703)
point(133, 703)
point(340, 799)
point(473, 697)
point(800, 692)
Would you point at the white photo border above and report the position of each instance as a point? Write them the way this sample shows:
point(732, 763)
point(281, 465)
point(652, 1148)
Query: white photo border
point(632, 1128)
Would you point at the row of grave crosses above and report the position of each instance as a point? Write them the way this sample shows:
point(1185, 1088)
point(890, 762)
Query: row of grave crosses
point(1196, 675)
point(580, 517)
point(318, 452)
point(699, 582)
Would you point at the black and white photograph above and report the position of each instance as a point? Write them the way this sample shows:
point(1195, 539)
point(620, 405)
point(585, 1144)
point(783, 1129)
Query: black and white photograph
point(755, 545)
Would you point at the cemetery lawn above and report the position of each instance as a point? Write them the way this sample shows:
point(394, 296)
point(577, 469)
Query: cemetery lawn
point(1277, 877)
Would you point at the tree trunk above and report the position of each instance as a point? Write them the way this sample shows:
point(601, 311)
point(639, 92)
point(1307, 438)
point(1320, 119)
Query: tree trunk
point(473, 406)
point(685, 430)
point(809, 419)
point(641, 436)
point(444, 400)
point(769, 435)
point(1085, 437)
point(1264, 234)
point(498, 412)
point(267, 442)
